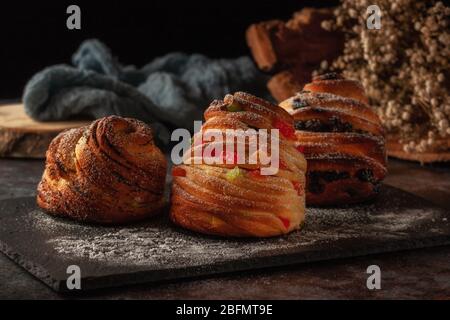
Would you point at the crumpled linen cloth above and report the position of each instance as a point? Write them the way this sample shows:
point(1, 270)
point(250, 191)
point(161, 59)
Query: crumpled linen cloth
point(172, 90)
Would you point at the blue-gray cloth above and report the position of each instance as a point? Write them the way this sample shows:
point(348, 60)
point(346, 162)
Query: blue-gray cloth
point(173, 90)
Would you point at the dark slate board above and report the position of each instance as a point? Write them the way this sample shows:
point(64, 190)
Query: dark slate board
point(157, 250)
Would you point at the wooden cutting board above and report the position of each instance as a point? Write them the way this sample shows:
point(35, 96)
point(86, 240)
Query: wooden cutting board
point(395, 150)
point(23, 137)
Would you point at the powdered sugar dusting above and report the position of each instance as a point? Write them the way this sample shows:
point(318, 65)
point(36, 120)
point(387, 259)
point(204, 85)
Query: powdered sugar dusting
point(158, 244)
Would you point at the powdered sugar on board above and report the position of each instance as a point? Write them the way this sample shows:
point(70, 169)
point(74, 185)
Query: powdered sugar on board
point(159, 242)
point(157, 249)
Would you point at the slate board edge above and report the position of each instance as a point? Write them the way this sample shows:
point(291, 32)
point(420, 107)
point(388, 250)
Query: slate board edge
point(34, 269)
point(159, 276)
point(92, 283)
point(260, 263)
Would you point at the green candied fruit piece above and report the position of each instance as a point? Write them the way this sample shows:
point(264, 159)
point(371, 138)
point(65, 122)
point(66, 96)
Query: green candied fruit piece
point(233, 174)
point(234, 107)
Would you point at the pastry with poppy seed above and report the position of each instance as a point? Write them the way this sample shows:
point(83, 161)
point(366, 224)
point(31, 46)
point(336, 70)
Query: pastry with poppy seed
point(342, 139)
point(110, 172)
point(234, 198)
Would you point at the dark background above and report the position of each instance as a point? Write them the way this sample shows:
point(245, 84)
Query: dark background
point(33, 35)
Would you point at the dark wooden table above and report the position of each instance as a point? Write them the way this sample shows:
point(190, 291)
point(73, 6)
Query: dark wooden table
point(411, 274)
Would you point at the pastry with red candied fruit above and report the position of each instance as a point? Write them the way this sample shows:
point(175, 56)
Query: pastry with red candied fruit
point(234, 198)
point(342, 139)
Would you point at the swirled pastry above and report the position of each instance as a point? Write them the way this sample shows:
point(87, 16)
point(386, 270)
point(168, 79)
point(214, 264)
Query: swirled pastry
point(342, 139)
point(108, 172)
point(236, 198)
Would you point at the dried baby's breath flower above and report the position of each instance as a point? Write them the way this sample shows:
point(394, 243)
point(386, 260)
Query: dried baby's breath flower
point(404, 66)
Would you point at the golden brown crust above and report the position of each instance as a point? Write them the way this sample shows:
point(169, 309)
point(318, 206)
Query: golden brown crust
point(342, 139)
point(335, 84)
point(108, 172)
point(206, 199)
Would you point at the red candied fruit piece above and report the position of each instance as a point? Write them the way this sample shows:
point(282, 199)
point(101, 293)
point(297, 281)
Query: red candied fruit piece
point(228, 157)
point(298, 186)
point(285, 221)
point(285, 128)
point(256, 174)
point(283, 165)
point(300, 149)
point(178, 172)
point(213, 153)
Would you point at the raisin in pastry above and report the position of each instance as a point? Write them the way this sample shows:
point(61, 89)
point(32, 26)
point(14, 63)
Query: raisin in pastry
point(342, 139)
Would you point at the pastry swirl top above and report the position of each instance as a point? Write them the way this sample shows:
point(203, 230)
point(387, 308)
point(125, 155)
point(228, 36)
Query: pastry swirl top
point(232, 198)
point(108, 172)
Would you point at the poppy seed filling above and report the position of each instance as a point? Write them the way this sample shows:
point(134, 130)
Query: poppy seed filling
point(333, 124)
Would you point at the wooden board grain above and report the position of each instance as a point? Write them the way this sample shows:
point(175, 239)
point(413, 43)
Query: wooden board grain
point(395, 150)
point(23, 137)
point(157, 250)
